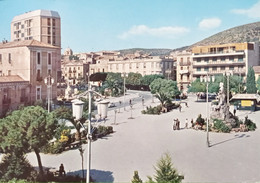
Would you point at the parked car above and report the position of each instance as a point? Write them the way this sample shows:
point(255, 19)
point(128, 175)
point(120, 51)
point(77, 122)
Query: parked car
point(111, 104)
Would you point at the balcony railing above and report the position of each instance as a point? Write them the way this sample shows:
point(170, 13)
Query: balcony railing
point(185, 63)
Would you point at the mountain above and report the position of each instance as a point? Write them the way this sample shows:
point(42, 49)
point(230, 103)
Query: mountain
point(152, 52)
point(244, 33)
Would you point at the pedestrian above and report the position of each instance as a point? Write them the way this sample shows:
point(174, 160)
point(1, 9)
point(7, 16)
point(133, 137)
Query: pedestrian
point(178, 124)
point(235, 110)
point(186, 103)
point(180, 107)
point(130, 101)
point(143, 100)
point(186, 123)
point(192, 124)
point(61, 170)
point(174, 124)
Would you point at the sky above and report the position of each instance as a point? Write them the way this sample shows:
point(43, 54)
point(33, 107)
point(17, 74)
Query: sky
point(96, 25)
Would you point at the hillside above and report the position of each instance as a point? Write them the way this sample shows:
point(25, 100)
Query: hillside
point(244, 33)
point(152, 52)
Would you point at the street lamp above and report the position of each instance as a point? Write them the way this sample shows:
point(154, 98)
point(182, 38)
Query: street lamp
point(49, 81)
point(228, 74)
point(131, 117)
point(207, 80)
point(124, 75)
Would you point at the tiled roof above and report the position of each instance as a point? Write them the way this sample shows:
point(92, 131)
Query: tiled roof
point(11, 79)
point(256, 69)
point(27, 43)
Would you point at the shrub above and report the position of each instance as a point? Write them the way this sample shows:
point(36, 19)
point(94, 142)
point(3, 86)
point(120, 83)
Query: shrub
point(221, 126)
point(200, 120)
point(152, 110)
point(54, 148)
point(15, 166)
point(250, 125)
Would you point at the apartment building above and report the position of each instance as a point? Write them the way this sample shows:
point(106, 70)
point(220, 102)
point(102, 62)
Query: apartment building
point(184, 70)
point(29, 62)
point(40, 25)
point(218, 59)
point(74, 71)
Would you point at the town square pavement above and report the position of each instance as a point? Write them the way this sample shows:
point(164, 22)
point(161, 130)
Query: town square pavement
point(137, 144)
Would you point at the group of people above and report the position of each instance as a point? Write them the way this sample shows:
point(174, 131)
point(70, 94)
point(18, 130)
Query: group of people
point(176, 124)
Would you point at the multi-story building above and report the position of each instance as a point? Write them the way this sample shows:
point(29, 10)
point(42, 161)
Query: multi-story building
point(74, 71)
point(218, 59)
point(184, 70)
point(40, 25)
point(30, 61)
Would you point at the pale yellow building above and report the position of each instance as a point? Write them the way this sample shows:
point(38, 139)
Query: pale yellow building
point(40, 25)
point(184, 70)
point(31, 61)
point(218, 59)
point(74, 72)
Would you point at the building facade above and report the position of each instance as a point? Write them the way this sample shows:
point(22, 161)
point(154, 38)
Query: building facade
point(218, 59)
point(184, 70)
point(40, 25)
point(32, 61)
point(74, 72)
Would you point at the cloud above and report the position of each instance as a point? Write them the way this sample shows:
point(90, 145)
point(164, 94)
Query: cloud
point(252, 12)
point(209, 23)
point(168, 32)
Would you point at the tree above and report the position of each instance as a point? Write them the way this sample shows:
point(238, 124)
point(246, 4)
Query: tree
point(28, 129)
point(164, 89)
point(15, 166)
point(258, 84)
point(250, 81)
point(134, 78)
point(136, 178)
point(197, 86)
point(114, 83)
point(165, 172)
point(148, 79)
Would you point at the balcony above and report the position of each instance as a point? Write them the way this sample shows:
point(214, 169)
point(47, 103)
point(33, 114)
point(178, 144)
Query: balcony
point(220, 53)
point(185, 63)
point(6, 101)
point(219, 63)
point(39, 78)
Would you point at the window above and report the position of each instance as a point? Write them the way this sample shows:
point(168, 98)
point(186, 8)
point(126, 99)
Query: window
point(49, 30)
point(22, 26)
point(0, 58)
point(49, 39)
point(231, 59)
point(49, 21)
point(1, 74)
point(49, 58)
point(38, 58)
point(22, 34)
point(38, 77)
point(240, 58)
point(223, 59)
point(214, 68)
point(9, 72)
point(53, 22)
point(206, 60)
point(9, 57)
point(206, 69)
point(198, 60)
point(49, 72)
point(198, 69)
point(222, 68)
point(231, 68)
point(214, 59)
point(38, 93)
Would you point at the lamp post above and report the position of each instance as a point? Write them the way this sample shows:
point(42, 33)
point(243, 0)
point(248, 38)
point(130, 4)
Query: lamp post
point(207, 80)
point(228, 74)
point(131, 117)
point(49, 82)
point(124, 75)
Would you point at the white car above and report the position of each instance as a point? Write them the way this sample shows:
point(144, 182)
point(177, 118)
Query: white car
point(111, 104)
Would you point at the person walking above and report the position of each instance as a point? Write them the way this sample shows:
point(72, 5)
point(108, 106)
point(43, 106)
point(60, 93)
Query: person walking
point(62, 171)
point(235, 110)
point(180, 107)
point(186, 123)
point(178, 124)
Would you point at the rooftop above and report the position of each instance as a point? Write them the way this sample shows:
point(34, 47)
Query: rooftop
point(27, 43)
point(45, 13)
